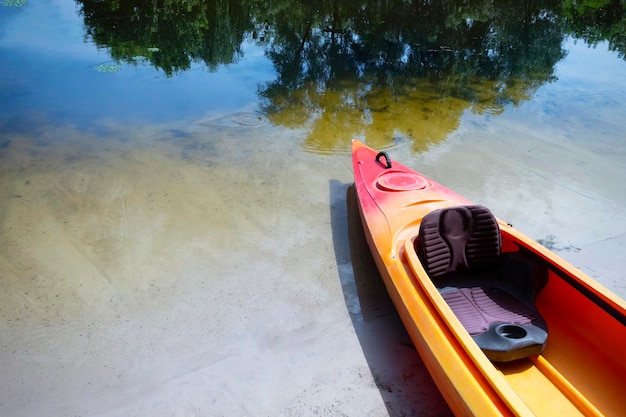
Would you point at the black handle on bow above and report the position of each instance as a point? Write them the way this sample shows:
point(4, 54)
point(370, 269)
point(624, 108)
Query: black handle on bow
point(387, 159)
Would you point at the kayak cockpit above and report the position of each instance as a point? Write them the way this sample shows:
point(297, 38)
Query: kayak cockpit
point(490, 292)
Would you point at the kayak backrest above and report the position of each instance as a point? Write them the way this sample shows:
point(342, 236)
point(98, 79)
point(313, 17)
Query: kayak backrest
point(458, 238)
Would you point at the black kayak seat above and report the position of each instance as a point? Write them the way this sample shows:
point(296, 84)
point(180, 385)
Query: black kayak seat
point(492, 294)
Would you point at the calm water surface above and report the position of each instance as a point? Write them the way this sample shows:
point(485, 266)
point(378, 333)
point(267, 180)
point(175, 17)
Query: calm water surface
point(385, 73)
point(172, 177)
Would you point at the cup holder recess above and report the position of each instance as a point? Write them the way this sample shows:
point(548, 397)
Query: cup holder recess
point(511, 331)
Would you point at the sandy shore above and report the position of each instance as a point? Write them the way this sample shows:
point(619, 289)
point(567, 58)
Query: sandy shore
point(196, 277)
point(215, 272)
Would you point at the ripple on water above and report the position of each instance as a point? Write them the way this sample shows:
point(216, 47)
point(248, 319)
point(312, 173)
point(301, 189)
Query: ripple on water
point(241, 119)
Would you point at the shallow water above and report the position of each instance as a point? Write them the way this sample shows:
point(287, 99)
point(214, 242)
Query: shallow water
point(178, 244)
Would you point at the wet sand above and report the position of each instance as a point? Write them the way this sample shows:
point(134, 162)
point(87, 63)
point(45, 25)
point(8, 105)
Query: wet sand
point(215, 270)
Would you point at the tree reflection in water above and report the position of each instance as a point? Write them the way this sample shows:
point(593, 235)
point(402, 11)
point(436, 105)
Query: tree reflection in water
point(382, 70)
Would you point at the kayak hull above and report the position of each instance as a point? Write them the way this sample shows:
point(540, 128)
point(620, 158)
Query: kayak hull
point(581, 370)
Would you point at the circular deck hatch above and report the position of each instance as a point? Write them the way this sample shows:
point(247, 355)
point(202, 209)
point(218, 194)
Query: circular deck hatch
point(401, 181)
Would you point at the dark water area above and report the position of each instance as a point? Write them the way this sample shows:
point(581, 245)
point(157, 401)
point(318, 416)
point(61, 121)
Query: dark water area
point(175, 237)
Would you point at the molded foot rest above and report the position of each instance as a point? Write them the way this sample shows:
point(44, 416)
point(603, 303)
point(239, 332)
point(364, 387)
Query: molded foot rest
point(503, 327)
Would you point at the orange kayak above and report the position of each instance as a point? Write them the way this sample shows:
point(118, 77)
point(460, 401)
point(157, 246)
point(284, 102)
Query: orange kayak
point(504, 325)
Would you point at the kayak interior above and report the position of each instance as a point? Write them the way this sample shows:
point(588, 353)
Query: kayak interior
point(580, 370)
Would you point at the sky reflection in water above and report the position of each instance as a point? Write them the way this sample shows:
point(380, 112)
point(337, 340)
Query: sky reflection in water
point(52, 72)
